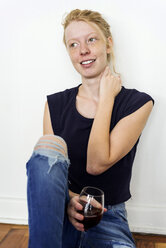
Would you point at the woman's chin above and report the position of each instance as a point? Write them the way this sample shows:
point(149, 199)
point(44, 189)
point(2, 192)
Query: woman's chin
point(92, 74)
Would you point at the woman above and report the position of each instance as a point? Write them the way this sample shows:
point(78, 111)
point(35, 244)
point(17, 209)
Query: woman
point(101, 122)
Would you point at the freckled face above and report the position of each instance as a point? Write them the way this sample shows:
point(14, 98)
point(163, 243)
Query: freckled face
point(87, 48)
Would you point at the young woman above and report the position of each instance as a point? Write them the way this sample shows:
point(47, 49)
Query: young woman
point(99, 122)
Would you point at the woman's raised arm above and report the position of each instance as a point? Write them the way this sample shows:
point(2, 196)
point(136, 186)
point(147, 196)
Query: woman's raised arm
point(105, 148)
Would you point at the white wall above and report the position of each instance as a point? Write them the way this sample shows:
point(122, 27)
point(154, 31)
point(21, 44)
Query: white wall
point(34, 63)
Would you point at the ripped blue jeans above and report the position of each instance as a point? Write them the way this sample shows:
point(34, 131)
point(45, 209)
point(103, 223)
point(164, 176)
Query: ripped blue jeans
point(47, 195)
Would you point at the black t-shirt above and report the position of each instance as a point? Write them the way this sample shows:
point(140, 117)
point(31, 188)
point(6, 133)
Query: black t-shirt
point(75, 129)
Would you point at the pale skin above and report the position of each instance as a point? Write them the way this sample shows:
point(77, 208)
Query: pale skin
point(95, 99)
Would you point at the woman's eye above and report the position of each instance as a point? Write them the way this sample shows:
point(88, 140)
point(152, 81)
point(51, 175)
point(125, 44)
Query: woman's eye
point(92, 39)
point(74, 45)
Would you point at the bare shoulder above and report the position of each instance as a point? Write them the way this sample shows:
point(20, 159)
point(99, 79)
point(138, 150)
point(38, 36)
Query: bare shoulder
point(149, 105)
point(138, 119)
point(47, 126)
point(145, 110)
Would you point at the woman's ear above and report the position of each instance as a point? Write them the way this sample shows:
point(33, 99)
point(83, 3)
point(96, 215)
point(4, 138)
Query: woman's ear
point(109, 45)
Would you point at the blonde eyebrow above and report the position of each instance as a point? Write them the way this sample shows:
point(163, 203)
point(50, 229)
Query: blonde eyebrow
point(74, 39)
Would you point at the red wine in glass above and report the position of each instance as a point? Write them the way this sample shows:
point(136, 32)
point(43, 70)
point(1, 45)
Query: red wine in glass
point(91, 217)
point(92, 200)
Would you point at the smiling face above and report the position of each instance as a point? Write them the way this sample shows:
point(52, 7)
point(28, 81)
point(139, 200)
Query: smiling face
point(87, 48)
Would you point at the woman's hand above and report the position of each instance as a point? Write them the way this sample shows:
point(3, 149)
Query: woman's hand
point(73, 207)
point(110, 85)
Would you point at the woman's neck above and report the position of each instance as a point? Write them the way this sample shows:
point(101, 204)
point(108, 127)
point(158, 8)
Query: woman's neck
point(90, 88)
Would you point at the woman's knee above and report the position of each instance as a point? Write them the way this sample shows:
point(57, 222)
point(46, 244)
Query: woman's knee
point(52, 142)
point(49, 155)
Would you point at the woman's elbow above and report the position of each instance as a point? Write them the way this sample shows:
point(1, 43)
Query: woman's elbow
point(93, 170)
point(96, 169)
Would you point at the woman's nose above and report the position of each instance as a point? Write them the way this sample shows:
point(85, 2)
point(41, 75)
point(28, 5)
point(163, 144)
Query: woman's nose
point(84, 49)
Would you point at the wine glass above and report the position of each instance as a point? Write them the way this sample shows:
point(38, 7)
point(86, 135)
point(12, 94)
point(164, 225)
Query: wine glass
point(92, 200)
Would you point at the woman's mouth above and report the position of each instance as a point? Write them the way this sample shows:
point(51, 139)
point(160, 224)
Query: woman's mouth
point(87, 63)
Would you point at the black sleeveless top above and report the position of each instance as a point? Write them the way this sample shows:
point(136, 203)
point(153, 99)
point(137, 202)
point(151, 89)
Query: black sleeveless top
point(74, 128)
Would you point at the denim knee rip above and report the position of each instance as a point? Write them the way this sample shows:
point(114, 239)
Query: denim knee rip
point(53, 147)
